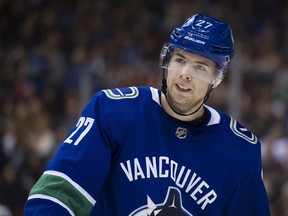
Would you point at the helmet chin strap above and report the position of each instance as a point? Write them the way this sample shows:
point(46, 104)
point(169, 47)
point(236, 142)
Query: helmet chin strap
point(164, 90)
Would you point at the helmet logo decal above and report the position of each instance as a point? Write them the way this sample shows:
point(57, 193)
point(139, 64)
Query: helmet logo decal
point(181, 132)
point(189, 21)
point(172, 206)
point(194, 40)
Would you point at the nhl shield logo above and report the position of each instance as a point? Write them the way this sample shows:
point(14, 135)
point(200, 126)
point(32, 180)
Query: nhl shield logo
point(181, 132)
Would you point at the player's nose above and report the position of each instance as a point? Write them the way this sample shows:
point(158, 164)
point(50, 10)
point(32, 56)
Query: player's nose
point(184, 74)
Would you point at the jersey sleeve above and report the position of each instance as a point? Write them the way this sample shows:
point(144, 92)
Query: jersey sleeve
point(249, 196)
point(249, 199)
point(74, 178)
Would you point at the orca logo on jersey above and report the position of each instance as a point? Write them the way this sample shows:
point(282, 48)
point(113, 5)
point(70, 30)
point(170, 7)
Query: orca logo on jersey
point(181, 132)
point(172, 206)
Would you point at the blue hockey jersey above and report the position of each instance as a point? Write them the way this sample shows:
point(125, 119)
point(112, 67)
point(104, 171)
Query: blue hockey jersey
point(127, 157)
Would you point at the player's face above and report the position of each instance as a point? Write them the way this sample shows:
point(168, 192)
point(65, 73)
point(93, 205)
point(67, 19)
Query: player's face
point(186, 87)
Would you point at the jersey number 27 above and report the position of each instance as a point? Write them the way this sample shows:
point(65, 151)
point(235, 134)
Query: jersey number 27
point(83, 125)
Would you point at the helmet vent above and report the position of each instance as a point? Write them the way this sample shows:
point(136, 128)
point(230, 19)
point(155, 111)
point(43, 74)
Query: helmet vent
point(220, 50)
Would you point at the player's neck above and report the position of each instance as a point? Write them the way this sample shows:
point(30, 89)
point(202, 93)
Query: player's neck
point(172, 113)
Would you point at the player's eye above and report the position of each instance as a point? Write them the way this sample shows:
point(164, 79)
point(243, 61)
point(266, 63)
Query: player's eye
point(200, 67)
point(180, 60)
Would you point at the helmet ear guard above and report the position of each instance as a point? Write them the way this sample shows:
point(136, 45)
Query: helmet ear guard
point(165, 55)
point(220, 76)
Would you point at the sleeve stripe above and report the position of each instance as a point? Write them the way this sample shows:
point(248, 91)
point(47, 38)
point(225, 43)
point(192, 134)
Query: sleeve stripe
point(78, 187)
point(41, 196)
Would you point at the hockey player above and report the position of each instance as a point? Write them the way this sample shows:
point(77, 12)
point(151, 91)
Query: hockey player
point(142, 151)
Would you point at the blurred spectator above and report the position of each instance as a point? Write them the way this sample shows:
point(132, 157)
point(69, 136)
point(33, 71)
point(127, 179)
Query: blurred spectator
point(4, 211)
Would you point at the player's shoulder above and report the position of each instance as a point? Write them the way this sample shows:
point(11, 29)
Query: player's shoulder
point(124, 102)
point(238, 145)
point(236, 140)
point(232, 129)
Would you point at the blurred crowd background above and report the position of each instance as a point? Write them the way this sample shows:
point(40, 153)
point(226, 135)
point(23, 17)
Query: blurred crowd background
point(54, 54)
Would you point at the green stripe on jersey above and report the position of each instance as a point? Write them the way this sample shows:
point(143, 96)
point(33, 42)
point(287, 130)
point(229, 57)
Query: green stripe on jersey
point(50, 185)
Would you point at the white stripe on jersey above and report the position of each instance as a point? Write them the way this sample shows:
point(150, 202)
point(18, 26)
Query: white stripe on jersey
point(41, 196)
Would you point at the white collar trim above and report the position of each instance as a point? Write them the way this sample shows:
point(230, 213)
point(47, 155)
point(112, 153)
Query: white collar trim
point(215, 116)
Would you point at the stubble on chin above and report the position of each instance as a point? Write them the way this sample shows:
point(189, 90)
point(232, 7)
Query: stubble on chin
point(183, 104)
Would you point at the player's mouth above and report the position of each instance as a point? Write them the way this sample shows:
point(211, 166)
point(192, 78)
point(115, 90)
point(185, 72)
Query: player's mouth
point(182, 88)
